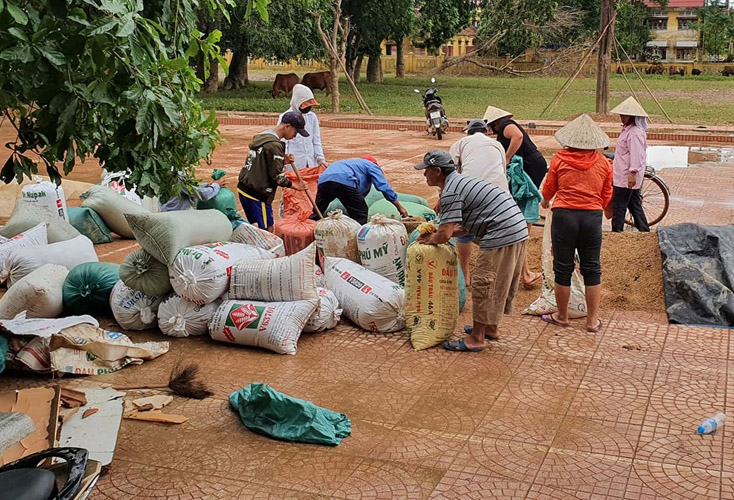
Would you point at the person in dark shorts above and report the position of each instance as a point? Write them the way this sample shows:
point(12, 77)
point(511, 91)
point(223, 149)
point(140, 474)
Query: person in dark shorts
point(580, 183)
point(349, 181)
point(264, 170)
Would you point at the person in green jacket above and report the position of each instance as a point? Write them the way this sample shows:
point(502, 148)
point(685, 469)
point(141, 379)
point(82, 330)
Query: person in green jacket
point(264, 170)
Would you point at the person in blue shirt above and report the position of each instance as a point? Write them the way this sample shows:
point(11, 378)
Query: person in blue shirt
point(349, 181)
point(186, 201)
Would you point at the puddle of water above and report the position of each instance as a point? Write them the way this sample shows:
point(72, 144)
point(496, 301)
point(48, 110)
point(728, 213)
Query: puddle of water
point(710, 154)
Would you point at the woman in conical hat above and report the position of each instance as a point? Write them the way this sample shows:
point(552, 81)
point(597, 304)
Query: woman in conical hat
point(517, 142)
point(580, 183)
point(630, 160)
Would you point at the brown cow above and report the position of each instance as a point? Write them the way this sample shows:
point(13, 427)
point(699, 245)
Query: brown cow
point(675, 70)
point(655, 69)
point(284, 84)
point(318, 81)
point(728, 71)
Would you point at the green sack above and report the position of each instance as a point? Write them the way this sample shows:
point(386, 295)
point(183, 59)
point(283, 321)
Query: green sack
point(90, 224)
point(462, 282)
point(411, 198)
point(336, 205)
point(140, 271)
point(88, 287)
point(25, 216)
point(373, 196)
point(386, 208)
point(266, 411)
point(225, 201)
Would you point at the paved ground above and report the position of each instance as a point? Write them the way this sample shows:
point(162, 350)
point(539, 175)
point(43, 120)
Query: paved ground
point(544, 413)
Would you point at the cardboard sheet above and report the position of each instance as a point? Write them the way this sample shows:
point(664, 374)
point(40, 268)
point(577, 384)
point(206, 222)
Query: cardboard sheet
point(42, 405)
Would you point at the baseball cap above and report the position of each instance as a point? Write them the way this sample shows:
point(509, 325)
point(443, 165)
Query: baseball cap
point(296, 121)
point(436, 158)
point(370, 158)
point(475, 126)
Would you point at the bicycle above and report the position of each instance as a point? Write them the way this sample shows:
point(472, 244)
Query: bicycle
point(655, 195)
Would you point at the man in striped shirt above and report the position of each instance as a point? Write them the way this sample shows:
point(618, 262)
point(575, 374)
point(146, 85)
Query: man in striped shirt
point(488, 213)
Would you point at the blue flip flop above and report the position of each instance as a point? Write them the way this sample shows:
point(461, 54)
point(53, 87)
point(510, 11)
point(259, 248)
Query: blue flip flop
point(460, 346)
point(469, 329)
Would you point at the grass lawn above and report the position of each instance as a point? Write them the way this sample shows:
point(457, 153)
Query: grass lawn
point(702, 100)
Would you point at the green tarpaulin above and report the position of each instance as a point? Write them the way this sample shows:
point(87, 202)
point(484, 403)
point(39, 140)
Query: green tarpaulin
point(266, 411)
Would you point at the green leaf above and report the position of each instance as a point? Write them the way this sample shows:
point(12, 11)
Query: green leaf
point(143, 119)
point(20, 53)
point(17, 13)
point(58, 7)
point(54, 56)
point(171, 110)
point(102, 26)
point(7, 173)
point(18, 34)
point(28, 166)
point(128, 28)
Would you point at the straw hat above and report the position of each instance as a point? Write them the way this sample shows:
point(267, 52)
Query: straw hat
point(629, 107)
point(493, 114)
point(582, 133)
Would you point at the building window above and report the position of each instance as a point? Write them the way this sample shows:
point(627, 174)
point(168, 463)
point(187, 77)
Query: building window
point(691, 14)
point(685, 24)
point(685, 54)
point(657, 52)
point(388, 50)
point(657, 24)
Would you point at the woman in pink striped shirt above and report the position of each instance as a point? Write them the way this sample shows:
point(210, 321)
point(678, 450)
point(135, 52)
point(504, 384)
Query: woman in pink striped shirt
point(630, 159)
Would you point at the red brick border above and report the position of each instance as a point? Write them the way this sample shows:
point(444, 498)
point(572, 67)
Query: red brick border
point(707, 137)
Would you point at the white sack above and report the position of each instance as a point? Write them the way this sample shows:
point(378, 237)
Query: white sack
point(180, 318)
point(70, 253)
point(46, 195)
point(132, 309)
point(336, 236)
point(35, 236)
point(279, 280)
point(40, 293)
point(247, 233)
point(382, 244)
point(270, 325)
point(200, 274)
point(371, 301)
point(327, 315)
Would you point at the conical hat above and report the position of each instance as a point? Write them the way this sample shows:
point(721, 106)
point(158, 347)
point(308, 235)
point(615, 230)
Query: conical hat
point(493, 114)
point(582, 133)
point(629, 107)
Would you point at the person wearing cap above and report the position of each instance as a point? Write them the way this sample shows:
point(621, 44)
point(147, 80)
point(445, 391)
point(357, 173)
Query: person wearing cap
point(517, 142)
point(264, 170)
point(630, 160)
point(307, 150)
point(490, 215)
point(349, 181)
point(481, 157)
point(580, 183)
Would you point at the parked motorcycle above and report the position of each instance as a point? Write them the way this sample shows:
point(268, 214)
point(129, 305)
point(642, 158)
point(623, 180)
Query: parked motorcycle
point(436, 121)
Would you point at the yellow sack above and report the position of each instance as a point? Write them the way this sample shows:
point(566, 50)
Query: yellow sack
point(431, 292)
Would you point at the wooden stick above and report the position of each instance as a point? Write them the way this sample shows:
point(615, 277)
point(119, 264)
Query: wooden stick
point(643, 81)
point(308, 192)
point(616, 50)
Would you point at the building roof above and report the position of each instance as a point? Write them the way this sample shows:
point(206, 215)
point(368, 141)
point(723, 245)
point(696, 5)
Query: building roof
point(672, 4)
point(468, 31)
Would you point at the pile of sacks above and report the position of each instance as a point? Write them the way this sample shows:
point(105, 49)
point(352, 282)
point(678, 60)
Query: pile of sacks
point(415, 205)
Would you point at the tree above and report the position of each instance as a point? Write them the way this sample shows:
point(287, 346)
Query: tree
point(520, 20)
point(716, 28)
point(440, 20)
point(109, 79)
point(288, 31)
point(631, 27)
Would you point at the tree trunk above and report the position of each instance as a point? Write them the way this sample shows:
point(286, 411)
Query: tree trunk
point(604, 63)
point(358, 68)
point(399, 60)
point(211, 84)
point(334, 74)
point(237, 77)
point(374, 68)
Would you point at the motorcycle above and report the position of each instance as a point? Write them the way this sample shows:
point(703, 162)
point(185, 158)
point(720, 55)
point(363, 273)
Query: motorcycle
point(436, 121)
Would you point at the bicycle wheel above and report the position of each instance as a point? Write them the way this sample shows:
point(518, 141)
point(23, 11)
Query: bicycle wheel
point(655, 199)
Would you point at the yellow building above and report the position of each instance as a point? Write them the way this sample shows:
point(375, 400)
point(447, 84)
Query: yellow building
point(460, 45)
point(674, 38)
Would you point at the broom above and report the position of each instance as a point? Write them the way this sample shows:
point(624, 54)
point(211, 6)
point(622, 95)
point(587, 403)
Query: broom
point(182, 382)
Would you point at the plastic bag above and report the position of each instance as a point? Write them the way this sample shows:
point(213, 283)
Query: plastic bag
point(132, 309)
point(431, 293)
point(46, 195)
point(267, 411)
point(180, 318)
point(462, 282)
point(270, 325)
point(327, 315)
point(88, 287)
point(279, 280)
point(296, 203)
point(140, 271)
point(40, 293)
point(296, 234)
point(546, 303)
point(90, 224)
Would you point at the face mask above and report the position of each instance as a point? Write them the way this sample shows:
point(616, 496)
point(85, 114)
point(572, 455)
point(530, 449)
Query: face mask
point(305, 110)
